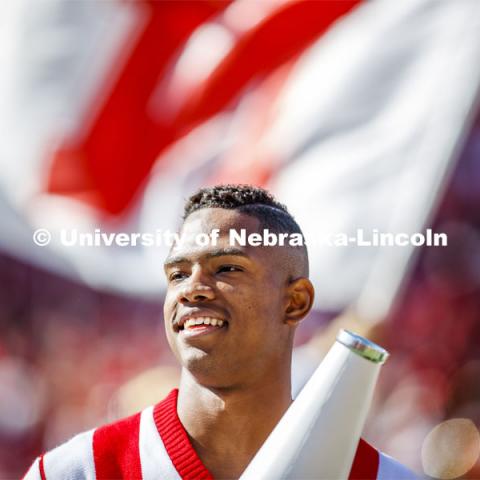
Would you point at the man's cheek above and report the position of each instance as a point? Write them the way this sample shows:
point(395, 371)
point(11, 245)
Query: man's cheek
point(169, 333)
point(172, 340)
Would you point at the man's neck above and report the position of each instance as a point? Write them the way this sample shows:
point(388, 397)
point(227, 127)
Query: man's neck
point(228, 426)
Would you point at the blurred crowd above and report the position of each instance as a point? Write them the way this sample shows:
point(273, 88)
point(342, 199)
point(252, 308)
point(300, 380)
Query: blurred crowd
point(434, 330)
point(64, 352)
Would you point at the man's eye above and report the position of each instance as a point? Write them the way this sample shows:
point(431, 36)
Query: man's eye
point(229, 268)
point(176, 276)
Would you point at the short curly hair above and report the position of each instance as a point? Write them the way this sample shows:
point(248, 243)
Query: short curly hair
point(248, 199)
point(253, 201)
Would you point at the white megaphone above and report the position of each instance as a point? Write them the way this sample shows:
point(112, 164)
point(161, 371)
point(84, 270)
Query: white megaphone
point(319, 434)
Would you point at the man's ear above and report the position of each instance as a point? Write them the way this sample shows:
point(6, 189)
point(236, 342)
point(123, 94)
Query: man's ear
point(300, 294)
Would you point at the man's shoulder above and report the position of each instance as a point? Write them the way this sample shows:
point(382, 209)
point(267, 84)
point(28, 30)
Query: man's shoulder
point(373, 464)
point(389, 468)
point(112, 450)
point(72, 459)
point(78, 457)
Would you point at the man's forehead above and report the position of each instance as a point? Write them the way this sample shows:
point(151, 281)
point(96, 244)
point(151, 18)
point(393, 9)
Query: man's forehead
point(206, 234)
point(207, 219)
point(189, 255)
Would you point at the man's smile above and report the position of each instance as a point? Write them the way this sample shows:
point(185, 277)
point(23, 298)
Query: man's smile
point(198, 321)
point(203, 326)
point(192, 323)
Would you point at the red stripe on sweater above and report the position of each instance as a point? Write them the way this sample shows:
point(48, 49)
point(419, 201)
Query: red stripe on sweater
point(42, 469)
point(176, 441)
point(116, 450)
point(365, 463)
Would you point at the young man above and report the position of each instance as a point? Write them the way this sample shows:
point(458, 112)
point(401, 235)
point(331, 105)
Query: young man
point(230, 312)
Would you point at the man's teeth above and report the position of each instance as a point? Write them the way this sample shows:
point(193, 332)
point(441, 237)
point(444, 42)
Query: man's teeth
point(216, 322)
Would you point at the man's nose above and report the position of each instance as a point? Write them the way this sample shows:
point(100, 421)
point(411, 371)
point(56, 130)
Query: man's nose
point(196, 290)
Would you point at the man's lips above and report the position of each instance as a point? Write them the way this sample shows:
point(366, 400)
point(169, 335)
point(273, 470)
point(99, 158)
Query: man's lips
point(200, 319)
point(201, 330)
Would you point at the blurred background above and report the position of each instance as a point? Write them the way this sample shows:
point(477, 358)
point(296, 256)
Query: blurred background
point(356, 115)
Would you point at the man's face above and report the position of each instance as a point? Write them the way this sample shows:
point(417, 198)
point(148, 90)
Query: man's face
point(242, 288)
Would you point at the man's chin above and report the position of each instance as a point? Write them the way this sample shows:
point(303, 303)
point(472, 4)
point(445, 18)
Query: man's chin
point(204, 367)
point(194, 359)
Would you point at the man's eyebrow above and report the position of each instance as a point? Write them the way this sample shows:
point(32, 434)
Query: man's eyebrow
point(223, 252)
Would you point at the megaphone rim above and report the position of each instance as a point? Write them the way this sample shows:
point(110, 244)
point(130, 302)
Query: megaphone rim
point(362, 346)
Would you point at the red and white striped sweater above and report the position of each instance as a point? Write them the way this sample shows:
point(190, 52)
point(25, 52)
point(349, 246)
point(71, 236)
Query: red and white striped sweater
point(153, 445)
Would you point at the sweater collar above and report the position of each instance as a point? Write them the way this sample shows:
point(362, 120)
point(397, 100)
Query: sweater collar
point(176, 441)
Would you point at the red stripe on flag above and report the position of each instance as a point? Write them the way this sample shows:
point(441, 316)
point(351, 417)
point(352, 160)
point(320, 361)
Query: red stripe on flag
point(365, 463)
point(277, 39)
point(116, 450)
point(117, 154)
point(114, 157)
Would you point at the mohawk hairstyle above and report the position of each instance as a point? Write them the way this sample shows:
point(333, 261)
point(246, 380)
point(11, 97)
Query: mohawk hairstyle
point(248, 199)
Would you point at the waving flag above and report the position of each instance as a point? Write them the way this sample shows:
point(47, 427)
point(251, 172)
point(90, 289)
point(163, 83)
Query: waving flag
point(338, 107)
